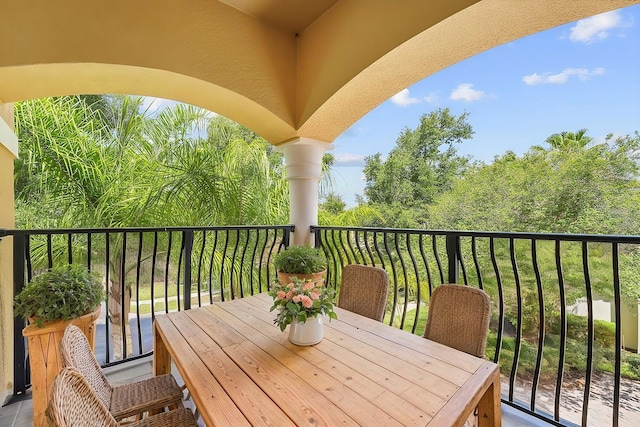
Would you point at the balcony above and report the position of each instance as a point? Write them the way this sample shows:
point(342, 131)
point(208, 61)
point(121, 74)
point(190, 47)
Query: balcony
point(561, 330)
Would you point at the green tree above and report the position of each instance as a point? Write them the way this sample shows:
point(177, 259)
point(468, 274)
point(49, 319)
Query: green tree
point(570, 141)
point(422, 165)
point(117, 166)
point(567, 191)
point(333, 204)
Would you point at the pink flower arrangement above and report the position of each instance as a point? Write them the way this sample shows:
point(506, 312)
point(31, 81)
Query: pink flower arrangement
point(299, 300)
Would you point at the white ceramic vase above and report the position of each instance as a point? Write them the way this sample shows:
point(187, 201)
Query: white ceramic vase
point(306, 333)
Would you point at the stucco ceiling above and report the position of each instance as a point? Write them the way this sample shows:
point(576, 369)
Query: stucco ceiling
point(284, 68)
point(289, 15)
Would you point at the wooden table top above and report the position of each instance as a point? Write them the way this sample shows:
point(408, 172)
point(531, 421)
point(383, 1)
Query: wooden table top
point(242, 370)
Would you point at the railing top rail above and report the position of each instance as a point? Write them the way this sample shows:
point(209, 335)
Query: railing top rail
point(495, 234)
point(4, 232)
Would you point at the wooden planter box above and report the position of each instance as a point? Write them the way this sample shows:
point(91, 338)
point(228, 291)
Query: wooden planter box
point(318, 277)
point(45, 358)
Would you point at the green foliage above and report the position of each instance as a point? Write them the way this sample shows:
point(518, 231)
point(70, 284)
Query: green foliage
point(604, 333)
point(422, 165)
point(62, 293)
point(299, 300)
point(587, 190)
point(300, 260)
point(333, 204)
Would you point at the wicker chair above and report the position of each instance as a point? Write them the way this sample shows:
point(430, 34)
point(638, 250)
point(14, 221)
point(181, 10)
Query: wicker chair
point(364, 290)
point(123, 401)
point(459, 318)
point(74, 404)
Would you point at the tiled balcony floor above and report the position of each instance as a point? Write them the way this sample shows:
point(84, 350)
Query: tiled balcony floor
point(19, 414)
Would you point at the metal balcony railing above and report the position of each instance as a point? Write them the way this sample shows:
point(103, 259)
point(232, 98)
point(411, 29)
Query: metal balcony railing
point(547, 290)
point(144, 273)
point(544, 288)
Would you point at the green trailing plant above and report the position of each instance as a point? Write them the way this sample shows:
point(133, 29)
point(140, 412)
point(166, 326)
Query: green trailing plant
point(62, 293)
point(300, 260)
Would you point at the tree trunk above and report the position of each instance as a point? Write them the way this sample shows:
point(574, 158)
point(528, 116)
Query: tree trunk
point(116, 314)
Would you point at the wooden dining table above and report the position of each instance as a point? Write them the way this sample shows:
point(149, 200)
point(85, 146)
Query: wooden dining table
point(241, 370)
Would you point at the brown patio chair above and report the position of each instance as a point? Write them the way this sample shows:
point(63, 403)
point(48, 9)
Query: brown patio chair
point(363, 290)
point(123, 401)
point(459, 318)
point(73, 403)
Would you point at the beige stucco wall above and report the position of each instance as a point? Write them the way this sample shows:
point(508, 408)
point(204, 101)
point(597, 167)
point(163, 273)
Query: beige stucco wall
point(8, 151)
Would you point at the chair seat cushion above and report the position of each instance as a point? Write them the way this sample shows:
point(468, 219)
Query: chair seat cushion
point(146, 395)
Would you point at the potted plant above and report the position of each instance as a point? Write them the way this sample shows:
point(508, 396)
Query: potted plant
point(302, 304)
point(303, 262)
point(52, 300)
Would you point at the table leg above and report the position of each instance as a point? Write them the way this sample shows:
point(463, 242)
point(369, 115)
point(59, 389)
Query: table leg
point(161, 357)
point(489, 407)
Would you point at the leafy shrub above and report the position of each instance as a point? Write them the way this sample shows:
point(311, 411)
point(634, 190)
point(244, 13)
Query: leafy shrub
point(61, 293)
point(300, 260)
point(604, 333)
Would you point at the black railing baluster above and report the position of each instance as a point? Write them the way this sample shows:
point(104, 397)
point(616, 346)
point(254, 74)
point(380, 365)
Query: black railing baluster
point(166, 273)
point(285, 238)
point(590, 341)
point(367, 246)
point(541, 325)
point(394, 276)
point(404, 278)
point(89, 251)
point(211, 263)
point(180, 273)
point(516, 352)
point(107, 275)
point(359, 246)
point(434, 241)
point(496, 270)
point(154, 255)
point(240, 267)
point(69, 249)
point(342, 250)
point(266, 262)
point(199, 276)
point(618, 319)
point(20, 367)
point(233, 267)
point(426, 264)
point(223, 264)
point(123, 301)
point(138, 263)
point(417, 276)
point(453, 260)
point(461, 263)
point(563, 332)
point(377, 248)
point(49, 252)
point(476, 263)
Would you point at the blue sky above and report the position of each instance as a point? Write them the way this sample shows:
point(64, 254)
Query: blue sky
point(585, 74)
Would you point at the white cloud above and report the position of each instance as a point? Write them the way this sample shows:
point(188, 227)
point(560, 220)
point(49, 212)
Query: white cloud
point(348, 159)
point(466, 92)
point(562, 77)
point(596, 27)
point(403, 98)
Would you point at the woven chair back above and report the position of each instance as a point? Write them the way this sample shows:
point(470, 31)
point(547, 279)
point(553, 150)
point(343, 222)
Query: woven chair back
point(77, 353)
point(364, 290)
point(459, 318)
point(74, 404)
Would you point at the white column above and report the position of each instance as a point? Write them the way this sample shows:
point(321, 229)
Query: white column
point(303, 159)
